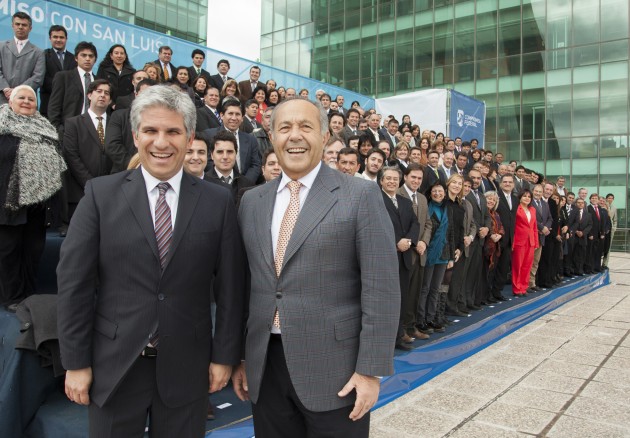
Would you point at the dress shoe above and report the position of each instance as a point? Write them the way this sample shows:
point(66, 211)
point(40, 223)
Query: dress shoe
point(457, 313)
point(404, 347)
point(516, 294)
point(424, 328)
point(407, 339)
point(492, 300)
point(210, 411)
point(437, 327)
point(419, 335)
point(473, 307)
point(530, 290)
point(501, 298)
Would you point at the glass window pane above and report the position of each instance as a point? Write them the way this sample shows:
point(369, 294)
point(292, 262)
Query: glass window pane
point(585, 147)
point(586, 22)
point(614, 19)
point(558, 148)
point(558, 168)
point(558, 24)
point(586, 55)
point(613, 146)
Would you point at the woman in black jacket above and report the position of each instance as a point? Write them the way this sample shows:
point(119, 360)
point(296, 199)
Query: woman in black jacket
point(116, 69)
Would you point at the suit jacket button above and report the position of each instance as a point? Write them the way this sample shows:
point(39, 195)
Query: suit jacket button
point(161, 297)
point(278, 295)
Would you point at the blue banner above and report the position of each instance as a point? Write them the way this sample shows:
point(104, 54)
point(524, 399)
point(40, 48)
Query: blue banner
point(467, 118)
point(142, 44)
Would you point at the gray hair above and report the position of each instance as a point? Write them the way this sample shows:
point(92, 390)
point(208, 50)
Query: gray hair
point(167, 98)
point(492, 194)
point(392, 168)
point(19, 88)
point(323, 118)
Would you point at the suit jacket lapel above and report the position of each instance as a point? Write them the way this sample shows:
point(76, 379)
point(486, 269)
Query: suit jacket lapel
point(265, 208)
point(78, 81)
point(89, 126)
point(135, 191)
point(319, 201)
point(188, 197)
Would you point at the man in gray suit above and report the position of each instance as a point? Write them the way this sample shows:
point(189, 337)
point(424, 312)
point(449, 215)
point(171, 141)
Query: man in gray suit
point(324, 301)
point(21, 63)
point(543, 222)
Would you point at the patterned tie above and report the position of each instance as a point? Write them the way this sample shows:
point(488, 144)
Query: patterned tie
point(286, 229)
point(60, 56)
point(216, 113)
point(394, 201)
point(166, 76)
point(477, 197)
point(163, 227)
point(100, 131)
point(226, 179)
point(414, 199)
point(87, 80)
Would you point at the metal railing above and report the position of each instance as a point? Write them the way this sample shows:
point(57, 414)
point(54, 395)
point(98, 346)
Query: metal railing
point(621, 240)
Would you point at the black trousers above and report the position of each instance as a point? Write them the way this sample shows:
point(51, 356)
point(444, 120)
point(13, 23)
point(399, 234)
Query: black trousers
point(411, 304)
point(456, 296)
point(280, 414)
point(125, 414)
point(21, 247)
point(500, 274)
point(474, 270)
point(578, 256)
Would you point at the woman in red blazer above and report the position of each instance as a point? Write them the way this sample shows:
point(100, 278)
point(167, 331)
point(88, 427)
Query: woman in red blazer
point(525, 242)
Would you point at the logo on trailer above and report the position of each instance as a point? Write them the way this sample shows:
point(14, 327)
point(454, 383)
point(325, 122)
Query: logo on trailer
point(460, 118)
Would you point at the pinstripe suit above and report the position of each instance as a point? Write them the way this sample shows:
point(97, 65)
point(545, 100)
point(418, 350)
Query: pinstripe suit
point(337, 294)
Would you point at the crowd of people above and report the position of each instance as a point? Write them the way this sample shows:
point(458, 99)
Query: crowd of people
point(464, 219)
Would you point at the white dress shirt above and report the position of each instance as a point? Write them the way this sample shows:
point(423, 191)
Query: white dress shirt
point(94, 116)
point(172, 195)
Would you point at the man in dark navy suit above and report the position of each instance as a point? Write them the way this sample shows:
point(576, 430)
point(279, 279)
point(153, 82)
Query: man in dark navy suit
point(57, 59)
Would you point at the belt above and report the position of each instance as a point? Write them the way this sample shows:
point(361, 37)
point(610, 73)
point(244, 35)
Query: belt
point(149, 352)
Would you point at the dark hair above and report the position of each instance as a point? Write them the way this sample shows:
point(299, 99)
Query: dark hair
point(57, 28)
point(355, 101)
point(266, 154)
point(257, 89)
point(199, 135)
point(22, 16)
point(84, 45)
point(327, 95)
point(354, 110)
point(107, 61)
point(231, 102)
point(198, 52)
point(466, 144)
point(610, 194)
point(250, 101)
point(223, 135)
point(148, 81)
point(474, 139)
point(349, 151)
point(336, 114)
point(413, 166)
point(392, 120)
point(354, 137)
point(377, 151)
point(254, 67)
point(163, 48)
point(523, 192)
point(275, 90)
point(194, 82)
point(437, 183)
point(468, 179)
point(365, 137)
point(223, 61)
point(519, 168)
point(97, 83)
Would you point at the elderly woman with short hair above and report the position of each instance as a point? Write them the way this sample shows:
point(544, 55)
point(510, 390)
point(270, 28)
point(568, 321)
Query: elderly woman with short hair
point(30, 173)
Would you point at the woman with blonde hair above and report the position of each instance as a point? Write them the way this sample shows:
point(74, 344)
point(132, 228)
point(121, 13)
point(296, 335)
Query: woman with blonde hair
point(154, 71)
point(401, 154)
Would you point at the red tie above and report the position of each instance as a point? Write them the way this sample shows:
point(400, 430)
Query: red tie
point(597, 213)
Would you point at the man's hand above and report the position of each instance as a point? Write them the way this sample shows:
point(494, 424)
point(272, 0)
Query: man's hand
point(367, 388)
point(483, 232)
point(421, 247)
point(467, 241)
point(239, 382)
point(78, 384)
point(590, 237)
point(7, 92)
point(564, 229)
point(403, 245)
point(458, 253)
point(496, 237)
point(546, 231)
point(219, 376)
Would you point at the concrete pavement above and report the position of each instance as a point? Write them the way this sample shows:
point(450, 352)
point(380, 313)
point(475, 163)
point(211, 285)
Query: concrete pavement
point(567, 374)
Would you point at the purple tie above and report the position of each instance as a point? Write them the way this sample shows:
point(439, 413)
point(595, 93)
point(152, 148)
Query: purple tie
point(163, 227)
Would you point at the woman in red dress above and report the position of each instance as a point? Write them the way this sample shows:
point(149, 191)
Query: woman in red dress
point(525, 242)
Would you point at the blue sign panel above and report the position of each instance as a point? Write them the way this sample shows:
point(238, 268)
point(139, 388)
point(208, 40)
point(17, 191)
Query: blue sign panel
point(467, 118)
point(142, 44)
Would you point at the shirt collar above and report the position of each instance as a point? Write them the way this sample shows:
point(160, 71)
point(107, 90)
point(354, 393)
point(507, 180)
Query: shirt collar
point(93, 115)
point(219, 174)
point(23, 42)
point(83, 72)
point(408, 191)
point(307, 180)
point(151, 182)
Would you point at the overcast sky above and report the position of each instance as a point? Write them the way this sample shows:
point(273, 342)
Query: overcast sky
point(234, 27)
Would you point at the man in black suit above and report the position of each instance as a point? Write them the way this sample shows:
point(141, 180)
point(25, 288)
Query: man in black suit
point(432, 172)
point(208, 115)
point(165, 53)
point(218, 80)
point(548, 266)
point(248, 160)
point(119, 144)
point(599, 216)
point(57, 59)
point(124, 102)
point(84, 143)
point(196, 70)
point(389, 134)
point(69, 97)
point(223, 150)
point(508, 203)
point(249, 121)
point(473, 292)
point(248, 86)
point(263, 133)
point(406, 233)
point(352, 125)
point(144, 252)
point(580, 226)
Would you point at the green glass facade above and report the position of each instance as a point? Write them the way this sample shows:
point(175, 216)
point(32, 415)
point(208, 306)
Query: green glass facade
point(554, 73)
point(186, 19)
